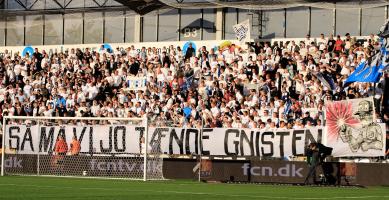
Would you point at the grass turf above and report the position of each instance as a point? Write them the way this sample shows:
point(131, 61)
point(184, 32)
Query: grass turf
point(40, 188)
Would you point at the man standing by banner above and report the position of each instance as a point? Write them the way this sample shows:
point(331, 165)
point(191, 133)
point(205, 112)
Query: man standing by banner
point(60, 150)
point(316, 153)
point(61, 147)
point(313, 161)
point(75, 147)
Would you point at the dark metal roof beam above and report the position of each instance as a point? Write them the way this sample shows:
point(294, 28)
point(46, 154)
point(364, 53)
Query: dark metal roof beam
point(21, 4)
point(60, 5)
point(32, 4)
point(5, 12)
point(142, 6)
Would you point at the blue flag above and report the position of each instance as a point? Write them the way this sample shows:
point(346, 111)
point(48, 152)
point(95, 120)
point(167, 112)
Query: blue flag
point(187, 111)
point(367, 72)
point(371, 71)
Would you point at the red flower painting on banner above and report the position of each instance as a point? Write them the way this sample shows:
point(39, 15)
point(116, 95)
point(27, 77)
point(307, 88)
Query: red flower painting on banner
point(339, 114)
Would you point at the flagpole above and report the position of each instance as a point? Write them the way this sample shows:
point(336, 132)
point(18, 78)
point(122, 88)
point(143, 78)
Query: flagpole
point(201, 132)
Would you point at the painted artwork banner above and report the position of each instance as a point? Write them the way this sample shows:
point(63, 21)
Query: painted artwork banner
point(352, 129)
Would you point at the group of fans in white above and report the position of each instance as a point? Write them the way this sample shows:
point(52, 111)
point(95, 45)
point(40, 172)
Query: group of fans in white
point(265, 86)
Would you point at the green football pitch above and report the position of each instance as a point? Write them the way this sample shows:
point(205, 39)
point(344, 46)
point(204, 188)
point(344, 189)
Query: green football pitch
point(40, 188)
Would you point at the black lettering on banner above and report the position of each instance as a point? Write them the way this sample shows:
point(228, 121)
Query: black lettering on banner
point(270, 143)
point(295, 138)
point(257, 143)
point(27, 137)
point(141, 130)
point(109, 148)
point(309, 137)
point(81, 135)
point(319, 135)
point(46, 141)
point(236, 142)
point(123, 140)
point(178, 140)
point(282, 135)
point(91, 140)
point(189, 131)
point(62, 133)
point(15, 137)
point(141, 134)
point(156, 139)
point(245, 139)
point(205, 137)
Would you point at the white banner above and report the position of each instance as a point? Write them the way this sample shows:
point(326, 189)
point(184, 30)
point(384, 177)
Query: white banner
point(109, 139)
point(93, 139)
point(352, 129)
point(127, 139)
point(233, 142)
point(242, 31)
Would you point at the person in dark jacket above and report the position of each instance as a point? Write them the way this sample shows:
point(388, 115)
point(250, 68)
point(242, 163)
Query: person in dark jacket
point(316, 153)
point(134, 68)
point(37, 56)
point(312, 154)
point(189, 52)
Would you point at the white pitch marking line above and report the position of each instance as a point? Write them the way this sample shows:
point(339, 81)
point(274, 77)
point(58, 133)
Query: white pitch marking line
point(196, 193)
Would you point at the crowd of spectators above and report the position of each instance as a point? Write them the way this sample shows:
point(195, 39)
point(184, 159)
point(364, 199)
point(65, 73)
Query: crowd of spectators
point(263, 86)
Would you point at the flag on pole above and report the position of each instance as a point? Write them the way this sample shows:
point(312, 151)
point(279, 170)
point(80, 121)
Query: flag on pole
point(288, 107)
point(242, 31)
point(366, 72)
point(326, 80)
point(370, 71)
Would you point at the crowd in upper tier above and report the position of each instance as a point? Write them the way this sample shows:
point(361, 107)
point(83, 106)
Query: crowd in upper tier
point(263, 86)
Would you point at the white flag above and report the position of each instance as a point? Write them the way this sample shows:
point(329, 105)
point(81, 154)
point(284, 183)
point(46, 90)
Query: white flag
point(242, 31)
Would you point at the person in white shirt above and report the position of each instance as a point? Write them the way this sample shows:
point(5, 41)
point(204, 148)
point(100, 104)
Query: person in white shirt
point(133, 52)
point(309, 40)
point(70, 101)
point(293, 47)
point(92, 92)
point(268, 50)
point(160, 77)
point(117, 79)
point(236, 123)
point(117, 52)
point(265, 116)
point(215, 110)
point(17, 69)
point(27, 88)
point(48, 111)
point(102, 50)
point(322, 42)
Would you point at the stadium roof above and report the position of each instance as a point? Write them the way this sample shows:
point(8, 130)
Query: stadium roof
point(274, 4)
point(145, 6)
